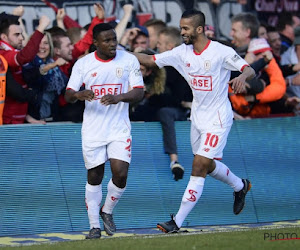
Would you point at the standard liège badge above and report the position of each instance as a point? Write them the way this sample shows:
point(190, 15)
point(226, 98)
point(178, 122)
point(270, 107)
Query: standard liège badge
point(119, 72)
point(207, 65)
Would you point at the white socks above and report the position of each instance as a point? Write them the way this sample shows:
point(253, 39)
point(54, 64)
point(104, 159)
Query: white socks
point(190, 198)
point(93, 197)
point(114, 193)
point(223, 174)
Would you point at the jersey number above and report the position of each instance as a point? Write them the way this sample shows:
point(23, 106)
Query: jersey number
point(129, 146)
point(212, 140)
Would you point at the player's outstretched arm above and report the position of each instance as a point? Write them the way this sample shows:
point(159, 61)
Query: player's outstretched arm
point(238, 84)
point(72, 96)
point(146, 60)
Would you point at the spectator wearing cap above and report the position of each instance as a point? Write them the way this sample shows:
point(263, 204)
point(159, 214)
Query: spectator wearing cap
point(141, 40)
point(258, 101)
point(244, 28)
point(136, 39)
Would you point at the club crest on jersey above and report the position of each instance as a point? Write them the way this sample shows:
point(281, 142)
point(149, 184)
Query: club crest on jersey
point(207, 65)
point(119, 72)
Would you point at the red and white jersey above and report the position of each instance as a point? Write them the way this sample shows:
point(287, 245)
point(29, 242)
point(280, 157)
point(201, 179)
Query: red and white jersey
point(208, 74)
point(103, 124)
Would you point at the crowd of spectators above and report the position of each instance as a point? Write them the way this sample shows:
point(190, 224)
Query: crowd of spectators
point(39, 66)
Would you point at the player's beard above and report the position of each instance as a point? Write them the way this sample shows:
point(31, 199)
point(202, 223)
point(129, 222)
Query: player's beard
point(190, 39)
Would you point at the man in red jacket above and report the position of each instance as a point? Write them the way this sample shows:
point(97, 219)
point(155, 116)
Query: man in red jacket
point(12, 50)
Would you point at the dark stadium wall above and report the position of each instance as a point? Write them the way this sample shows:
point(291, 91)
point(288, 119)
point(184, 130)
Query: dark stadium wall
point(167, 10)
point(42, 177)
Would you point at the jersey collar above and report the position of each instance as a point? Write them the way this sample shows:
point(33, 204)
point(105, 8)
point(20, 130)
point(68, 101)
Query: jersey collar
point(208, 43)
point(101, 60)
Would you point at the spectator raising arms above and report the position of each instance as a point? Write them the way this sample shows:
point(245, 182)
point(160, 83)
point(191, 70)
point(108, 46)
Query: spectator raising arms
point(43, 75)
point(11, 48)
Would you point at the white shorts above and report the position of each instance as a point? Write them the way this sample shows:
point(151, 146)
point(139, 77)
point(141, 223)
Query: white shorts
point(94, 156)
point(210, 142)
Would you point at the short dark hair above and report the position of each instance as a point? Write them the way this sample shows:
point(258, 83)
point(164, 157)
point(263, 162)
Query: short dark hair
point(55, 31)
point(285, 18)
point(271, 29)
point(101, 27)
point(6, 20)
point(249, 21)
point(197, 15)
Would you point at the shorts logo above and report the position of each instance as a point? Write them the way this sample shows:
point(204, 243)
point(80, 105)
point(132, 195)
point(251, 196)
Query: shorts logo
point(193, 197)
point(119, 72)
point(206, 149)
point(94, 74)
point(188, 65)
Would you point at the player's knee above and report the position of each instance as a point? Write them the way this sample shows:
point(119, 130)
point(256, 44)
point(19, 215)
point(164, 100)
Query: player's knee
point(120, 180)
point(94, 176)
point(201, 166)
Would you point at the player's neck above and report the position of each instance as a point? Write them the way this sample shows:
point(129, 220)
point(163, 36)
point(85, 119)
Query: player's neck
point(200, 44)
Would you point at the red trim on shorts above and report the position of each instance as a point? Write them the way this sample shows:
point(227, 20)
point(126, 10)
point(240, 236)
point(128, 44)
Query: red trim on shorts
point(218, 159)
point(70, 88)
point(138, 87)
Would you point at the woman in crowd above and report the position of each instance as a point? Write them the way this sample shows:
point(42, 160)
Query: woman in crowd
point(43, 74)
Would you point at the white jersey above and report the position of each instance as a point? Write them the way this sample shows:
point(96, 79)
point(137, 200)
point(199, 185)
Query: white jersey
point(103, 124)
point(208, 74)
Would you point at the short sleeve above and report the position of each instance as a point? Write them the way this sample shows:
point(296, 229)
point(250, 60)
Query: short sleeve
point(76, 78)
point(169, 58)
point(135, 75)
point(233, 61)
